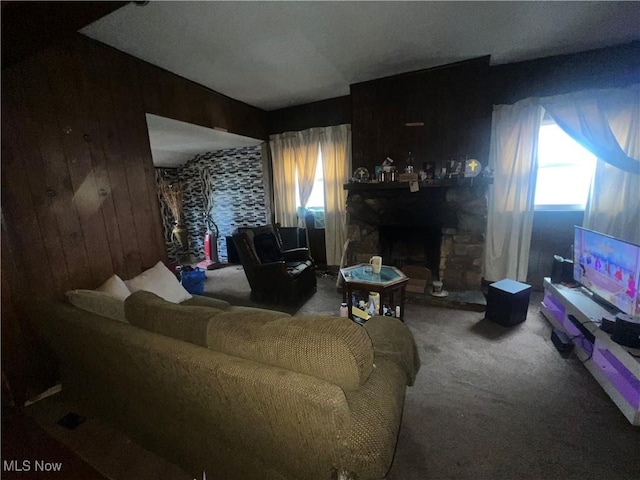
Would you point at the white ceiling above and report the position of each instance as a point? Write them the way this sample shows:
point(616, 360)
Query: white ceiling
point(278, 54)
point(174, 143)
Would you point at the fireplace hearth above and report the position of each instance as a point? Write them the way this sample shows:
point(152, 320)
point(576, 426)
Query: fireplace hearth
point(411, 245)
point(439, 227)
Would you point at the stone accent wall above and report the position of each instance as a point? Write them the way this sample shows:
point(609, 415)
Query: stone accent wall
point(238, 197)
point(459, 213)
point(462, 247)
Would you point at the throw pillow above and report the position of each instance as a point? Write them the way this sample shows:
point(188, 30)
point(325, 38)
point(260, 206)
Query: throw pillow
point(115, 286)
point(100, 303)
point(159, 280)
point(267, 247)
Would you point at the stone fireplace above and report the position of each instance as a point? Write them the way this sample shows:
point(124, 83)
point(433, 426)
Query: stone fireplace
point(440, 227)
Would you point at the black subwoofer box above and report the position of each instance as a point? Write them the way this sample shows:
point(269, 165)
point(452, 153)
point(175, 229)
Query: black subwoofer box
point(626, 331)
point(508, 302)
point(562, 270)
point(561, 340)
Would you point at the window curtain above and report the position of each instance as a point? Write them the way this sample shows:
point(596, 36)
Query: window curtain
point(291, 152)
point(607, 123)
point(590, 118)
point(306, 153)
point(335, 145)
point(513, 157)
point(284, 179)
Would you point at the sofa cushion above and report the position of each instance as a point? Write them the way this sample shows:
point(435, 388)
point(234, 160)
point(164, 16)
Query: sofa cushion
point(296, 268)
point(116, 287)
point(101, 303)
point(331, 348)
point(147, 310)
point(159, 280)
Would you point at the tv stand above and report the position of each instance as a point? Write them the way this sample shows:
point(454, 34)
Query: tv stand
point(612, 365)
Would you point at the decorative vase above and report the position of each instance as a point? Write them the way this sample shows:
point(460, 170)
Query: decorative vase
point(180, 235)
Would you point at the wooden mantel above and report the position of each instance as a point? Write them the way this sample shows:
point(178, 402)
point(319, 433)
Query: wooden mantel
point(449, 182)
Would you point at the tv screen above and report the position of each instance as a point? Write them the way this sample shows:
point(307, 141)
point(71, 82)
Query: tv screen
point(608, 267)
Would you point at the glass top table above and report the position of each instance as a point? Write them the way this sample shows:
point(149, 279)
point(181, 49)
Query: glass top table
point(363, 273)
point(387, 282)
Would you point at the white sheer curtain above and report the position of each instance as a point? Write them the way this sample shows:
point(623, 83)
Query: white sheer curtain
point(335, 145)
point(284, 179)
point(298, 151)
point(614, 203)
point(513, 157)
point(607, 122)
point(590, 117)
point(306, 153)
point(293, 154)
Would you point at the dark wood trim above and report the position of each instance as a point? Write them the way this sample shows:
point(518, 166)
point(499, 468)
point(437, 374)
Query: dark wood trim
point(334, 111)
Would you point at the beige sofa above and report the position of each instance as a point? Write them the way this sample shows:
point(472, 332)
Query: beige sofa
point(240, 393)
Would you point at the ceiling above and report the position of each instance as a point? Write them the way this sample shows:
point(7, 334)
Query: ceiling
point(174, 143)
point(278, 54)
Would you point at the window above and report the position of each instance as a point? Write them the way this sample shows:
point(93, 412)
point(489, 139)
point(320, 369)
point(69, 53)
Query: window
point(316, 199)
point(565, 171)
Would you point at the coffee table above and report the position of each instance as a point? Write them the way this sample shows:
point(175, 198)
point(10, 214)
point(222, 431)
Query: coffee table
point(389, 282)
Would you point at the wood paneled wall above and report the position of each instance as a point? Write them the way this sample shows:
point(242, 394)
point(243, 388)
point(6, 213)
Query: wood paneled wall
point(79, 199)
point(452, 103)
point(333, 111)
point(611, 67)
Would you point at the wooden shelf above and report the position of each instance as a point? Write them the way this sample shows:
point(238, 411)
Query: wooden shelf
point(452, 182)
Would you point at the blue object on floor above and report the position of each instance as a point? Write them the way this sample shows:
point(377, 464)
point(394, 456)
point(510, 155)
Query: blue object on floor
point(193, 280)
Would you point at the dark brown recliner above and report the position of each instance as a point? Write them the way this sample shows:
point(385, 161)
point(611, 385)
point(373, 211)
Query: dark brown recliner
point(275, 275)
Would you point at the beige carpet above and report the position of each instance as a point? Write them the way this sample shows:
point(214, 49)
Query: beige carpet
point(489, 403)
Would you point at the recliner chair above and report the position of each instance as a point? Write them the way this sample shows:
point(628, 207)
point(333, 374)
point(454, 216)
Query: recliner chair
point(275, 275)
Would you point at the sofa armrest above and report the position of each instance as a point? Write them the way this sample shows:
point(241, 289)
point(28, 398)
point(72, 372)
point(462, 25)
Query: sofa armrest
point(296, 255)
point(272, 269)
point(204, 301)
point(392, 339)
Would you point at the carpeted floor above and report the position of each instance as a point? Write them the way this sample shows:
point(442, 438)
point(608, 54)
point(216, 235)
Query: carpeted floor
point(490, 402)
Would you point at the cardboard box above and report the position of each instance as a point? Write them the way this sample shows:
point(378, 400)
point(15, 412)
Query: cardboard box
point(419, 278)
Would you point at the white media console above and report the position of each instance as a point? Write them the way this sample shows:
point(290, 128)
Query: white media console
point(615, 367)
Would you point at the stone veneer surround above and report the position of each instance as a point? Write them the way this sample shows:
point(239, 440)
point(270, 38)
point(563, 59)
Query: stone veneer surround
point(457, 213)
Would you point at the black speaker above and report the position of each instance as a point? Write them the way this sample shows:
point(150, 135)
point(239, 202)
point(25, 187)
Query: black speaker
point(507, 302)
point(562, 270)
point(627, 331)
point(608, 324)
point(562, 341)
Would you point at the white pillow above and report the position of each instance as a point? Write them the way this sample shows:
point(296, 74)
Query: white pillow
point(116, 287)
point(97, 302)
point(161, 281)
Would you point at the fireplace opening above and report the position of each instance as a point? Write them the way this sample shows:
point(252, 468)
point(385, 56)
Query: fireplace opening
point(411, 245)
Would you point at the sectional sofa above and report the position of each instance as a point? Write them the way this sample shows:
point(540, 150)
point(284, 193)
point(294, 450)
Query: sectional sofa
point(238, 392)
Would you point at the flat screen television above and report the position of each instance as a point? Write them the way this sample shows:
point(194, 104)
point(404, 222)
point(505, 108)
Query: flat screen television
point(609, 268)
